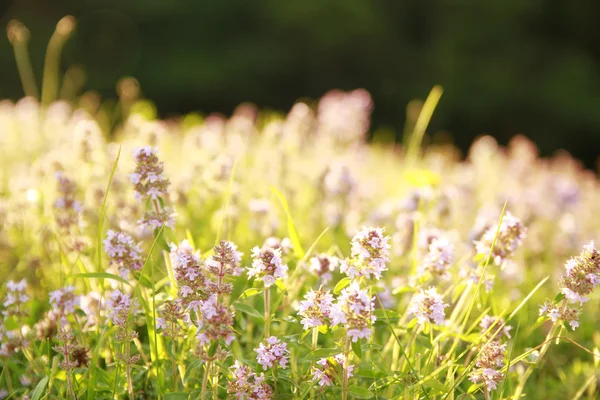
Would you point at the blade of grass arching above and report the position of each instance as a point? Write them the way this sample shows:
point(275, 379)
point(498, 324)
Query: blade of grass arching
point(226, 202)
point(154, 346)
point(425, 115)
point(298, 270)
point(510, 317)
point(389, 324)
point(292, 232)
point(485, 266)
point(512, 349)
point(103, 214)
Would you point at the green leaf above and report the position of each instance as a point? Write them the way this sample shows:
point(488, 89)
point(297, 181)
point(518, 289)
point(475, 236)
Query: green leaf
point(385, 315)
point(195, 364)
point(250, 292)
point(434, 384)
point(322, 353)
point(292, 232)
point(360, 393)
point(99, 275)
point(39, 389)
point(341, 284)
point(357, 349)
point(559, 297)
point(465, 396)
point(248, 309)
point(176, 396)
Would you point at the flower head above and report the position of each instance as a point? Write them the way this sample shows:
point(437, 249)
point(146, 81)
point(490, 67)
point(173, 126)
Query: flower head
point(123, 252)
point(428, 306)
point(147, 179)
point(370, 253)
point(489, 365)
point(323, 265)
point(315, 308)
point(582, 274)
point(247, 385)
point(271, 352)
point(354, 309)
point(509, 237)
point(267, 265)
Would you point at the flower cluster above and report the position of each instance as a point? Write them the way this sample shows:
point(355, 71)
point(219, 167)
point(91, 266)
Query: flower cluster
point(326, 370)
point(489, 364)
point(354, 309)
point(223, 263)
point(272, 352)
point(510, 236)
point(16, 299)
point(323, 265)
point(370, 253)
point(215, 322)
point(582, 274)
point(67, 213)
point(267, 265)
point(494, 327)
point(247, 385)
point(428, 306)
point(123, 252)
point(64, 301)
point(315, 308)
point(557, 312)
point(147, 179)
point(188, 271)
point(150, 184)
point(120, 307)
point(171, 314)
point(438, 259)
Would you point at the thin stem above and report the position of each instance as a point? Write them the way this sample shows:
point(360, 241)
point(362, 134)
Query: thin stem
point(128, 368)
point(346, 368)
point(215, 381)
point(64, 28)
point(205, 379)
point(543, 350)
point(487, 393)
point(267, 312)
point(315, 338)
point(18, 35)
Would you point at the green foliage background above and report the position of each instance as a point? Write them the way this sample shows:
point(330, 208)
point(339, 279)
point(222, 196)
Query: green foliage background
point(506, 66)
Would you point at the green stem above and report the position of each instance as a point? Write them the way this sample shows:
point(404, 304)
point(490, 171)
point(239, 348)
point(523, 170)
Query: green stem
point(205, 379)
point(346, 367)
point(543, 350)
point(267, 312)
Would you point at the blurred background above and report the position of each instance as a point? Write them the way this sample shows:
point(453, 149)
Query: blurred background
point(506, 66)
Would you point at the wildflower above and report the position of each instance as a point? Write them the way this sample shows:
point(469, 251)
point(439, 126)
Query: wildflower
point(325, 372)
point(314, 309)
point(64, 300)
point(323, 265)
point(354, 309)
point(172, 313)
point(338, 180)
point(247, 385)
point(428, 306)
point(370, 252)
point(438, 258)
point(267, 265)
point(272, 352)
point(16, 299)
point(493, 324)
point(156, 218)
point(216, 322)
point(510, 236)
point(223, 263)
point(68, 212)
point(188, 271)
point(119, 306)
point(565, 313)
point(582, 274)
point(147, 179)
point(489, 364)
point(123, 252)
